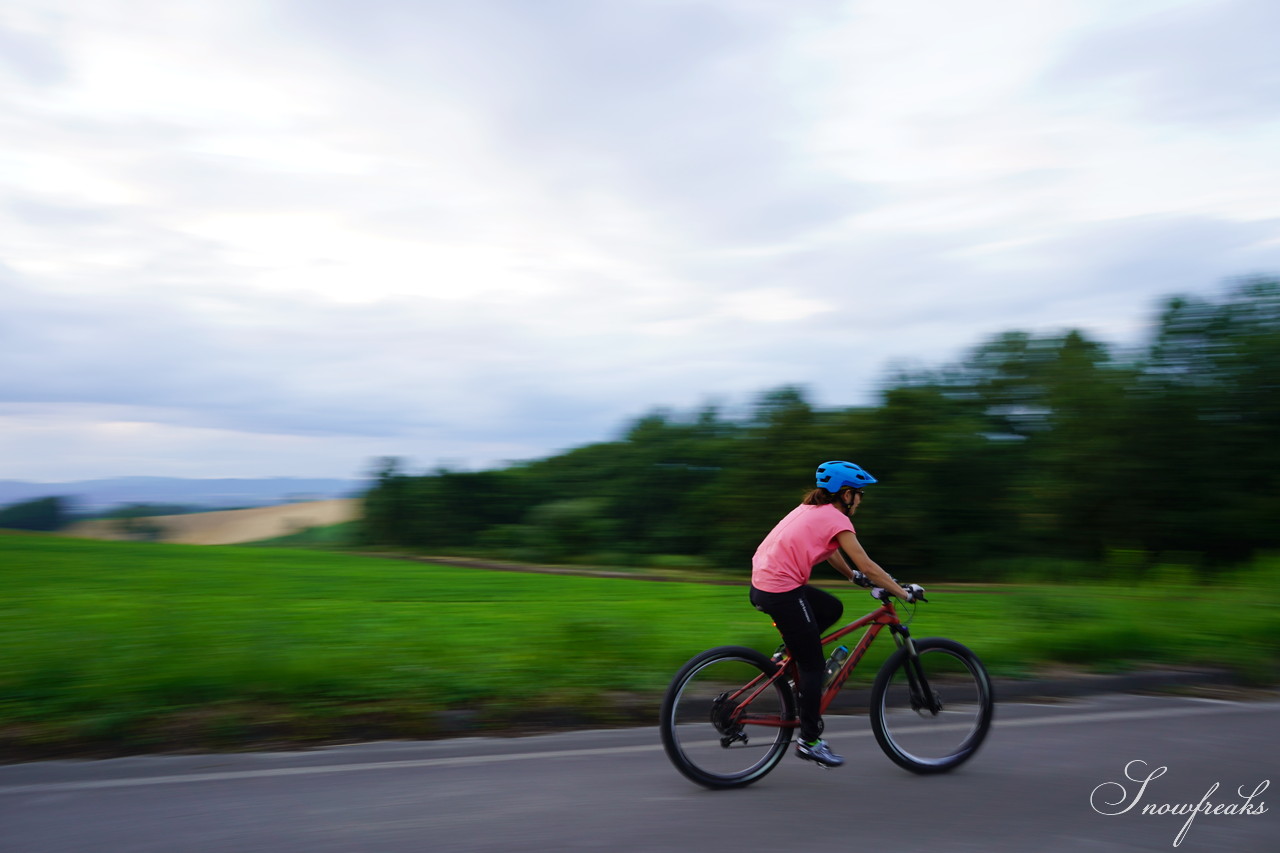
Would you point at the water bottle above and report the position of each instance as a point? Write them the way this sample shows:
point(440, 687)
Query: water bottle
point(834, 662)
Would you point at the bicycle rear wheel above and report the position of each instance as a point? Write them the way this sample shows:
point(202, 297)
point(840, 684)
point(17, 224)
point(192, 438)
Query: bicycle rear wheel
point(932, 712)
point(724, 724)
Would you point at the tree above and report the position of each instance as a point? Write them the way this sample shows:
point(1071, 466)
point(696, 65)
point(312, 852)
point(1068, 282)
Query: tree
point(1204, 452)
point(42, 514)
point(1038, 445)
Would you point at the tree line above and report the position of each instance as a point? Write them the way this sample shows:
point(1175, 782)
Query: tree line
point(56, 512)
point(1030, 448)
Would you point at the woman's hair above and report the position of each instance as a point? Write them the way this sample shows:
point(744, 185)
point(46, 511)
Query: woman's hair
point(819, 497)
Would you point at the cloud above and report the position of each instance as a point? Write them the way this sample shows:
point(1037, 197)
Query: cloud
point(28, 51)
point(485, 231)
point(1207, 65)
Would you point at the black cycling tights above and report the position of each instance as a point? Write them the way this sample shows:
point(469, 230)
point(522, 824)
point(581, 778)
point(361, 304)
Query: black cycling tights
point(802, 615)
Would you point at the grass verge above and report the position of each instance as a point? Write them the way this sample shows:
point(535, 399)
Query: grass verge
point(110, 647)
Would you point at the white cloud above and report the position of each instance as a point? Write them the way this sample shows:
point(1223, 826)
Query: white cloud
point(244, 238)
point(772, 305)
point(963, 116)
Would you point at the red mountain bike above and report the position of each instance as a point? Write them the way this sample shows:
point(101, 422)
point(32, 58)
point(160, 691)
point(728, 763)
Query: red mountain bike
point(730, 712)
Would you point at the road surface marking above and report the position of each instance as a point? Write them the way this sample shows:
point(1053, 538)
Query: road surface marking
point(476, 760)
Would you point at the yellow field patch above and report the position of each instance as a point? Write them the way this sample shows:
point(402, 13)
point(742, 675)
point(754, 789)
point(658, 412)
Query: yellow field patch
point(225, 527)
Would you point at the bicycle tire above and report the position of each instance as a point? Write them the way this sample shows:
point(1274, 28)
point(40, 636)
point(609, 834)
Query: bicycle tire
point(932, 741)
point(701, 715)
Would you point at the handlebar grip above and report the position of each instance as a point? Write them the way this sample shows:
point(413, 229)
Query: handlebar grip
point(917, 592)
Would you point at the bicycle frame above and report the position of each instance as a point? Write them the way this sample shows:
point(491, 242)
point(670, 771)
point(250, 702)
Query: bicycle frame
point(875, 621)
point(884, 616)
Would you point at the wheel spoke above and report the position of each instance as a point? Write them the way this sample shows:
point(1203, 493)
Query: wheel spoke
point(932, 719)
point(715, 720)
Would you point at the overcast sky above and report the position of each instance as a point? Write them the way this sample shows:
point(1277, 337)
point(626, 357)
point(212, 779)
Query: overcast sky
point(284, 237)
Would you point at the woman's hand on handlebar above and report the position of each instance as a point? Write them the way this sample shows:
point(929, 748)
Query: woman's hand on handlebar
point(914, 591)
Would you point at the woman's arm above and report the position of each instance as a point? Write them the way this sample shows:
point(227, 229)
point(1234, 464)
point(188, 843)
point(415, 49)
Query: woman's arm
point(841, 565)
point(850, 545)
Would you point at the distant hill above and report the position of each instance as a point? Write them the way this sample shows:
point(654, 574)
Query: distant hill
point(96, 495)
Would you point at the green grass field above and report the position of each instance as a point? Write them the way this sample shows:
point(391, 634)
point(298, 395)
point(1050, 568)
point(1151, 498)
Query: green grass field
point(122, 646)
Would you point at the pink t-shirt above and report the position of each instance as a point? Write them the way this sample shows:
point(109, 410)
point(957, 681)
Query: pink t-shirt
point(805, 537)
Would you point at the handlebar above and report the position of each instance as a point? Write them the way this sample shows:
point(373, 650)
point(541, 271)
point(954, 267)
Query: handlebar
point(914, 590)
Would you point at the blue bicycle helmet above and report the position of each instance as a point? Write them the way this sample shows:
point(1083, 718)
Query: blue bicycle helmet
point(834, 476)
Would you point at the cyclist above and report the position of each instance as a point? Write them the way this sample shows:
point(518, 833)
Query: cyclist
point(818, 529)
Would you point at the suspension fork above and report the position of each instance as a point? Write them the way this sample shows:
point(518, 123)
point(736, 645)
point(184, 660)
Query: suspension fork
point(922, 696)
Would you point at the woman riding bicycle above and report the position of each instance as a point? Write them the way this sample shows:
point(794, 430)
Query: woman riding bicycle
point(819, 529)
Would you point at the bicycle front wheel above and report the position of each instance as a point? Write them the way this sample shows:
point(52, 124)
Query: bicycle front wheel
point(725, 720)
point(930, 712)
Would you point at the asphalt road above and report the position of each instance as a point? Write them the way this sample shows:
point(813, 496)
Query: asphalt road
point(1034, 788)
